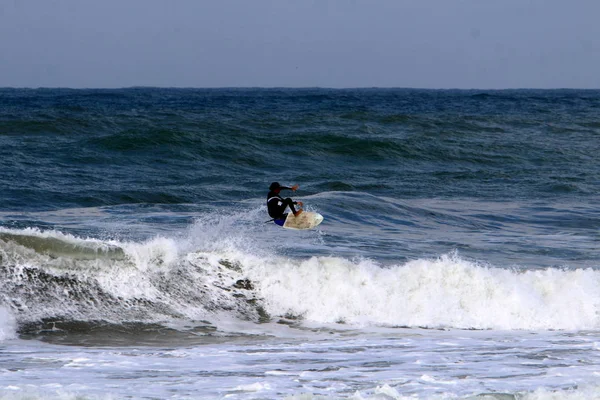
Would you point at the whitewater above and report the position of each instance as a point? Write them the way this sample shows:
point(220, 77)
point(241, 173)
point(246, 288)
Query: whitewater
point(155, 278)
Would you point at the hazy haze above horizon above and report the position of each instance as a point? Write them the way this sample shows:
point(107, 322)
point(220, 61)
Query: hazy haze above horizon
point(337, 44)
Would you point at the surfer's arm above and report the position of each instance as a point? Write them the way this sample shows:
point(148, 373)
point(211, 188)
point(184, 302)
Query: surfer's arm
point(293, 188)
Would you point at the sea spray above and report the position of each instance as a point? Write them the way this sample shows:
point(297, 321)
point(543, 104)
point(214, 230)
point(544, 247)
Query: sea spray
point(7, 324)
point(151, 281)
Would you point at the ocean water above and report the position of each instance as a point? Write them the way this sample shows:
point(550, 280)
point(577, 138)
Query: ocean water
point(458, 259)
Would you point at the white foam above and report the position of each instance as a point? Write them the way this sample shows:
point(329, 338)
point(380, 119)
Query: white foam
point(253, 387)
point(8, 325)
point(588, 392)
point(46, 393)
point(446, 292)
point(65, 237)
point(386, 392)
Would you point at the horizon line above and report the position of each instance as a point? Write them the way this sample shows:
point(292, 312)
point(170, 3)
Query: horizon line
point(288, 88)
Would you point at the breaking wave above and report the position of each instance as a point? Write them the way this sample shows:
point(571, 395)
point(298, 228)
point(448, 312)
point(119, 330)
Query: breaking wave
point(52, 276)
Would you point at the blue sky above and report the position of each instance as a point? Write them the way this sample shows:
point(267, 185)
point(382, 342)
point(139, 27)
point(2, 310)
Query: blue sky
point(304, 43)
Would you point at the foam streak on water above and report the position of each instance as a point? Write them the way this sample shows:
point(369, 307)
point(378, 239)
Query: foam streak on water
point(328, 363)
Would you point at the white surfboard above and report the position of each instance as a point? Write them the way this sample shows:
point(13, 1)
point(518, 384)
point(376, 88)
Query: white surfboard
point(306, 220)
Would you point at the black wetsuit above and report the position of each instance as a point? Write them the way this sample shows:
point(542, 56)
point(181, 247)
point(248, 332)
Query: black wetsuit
point(276, 204)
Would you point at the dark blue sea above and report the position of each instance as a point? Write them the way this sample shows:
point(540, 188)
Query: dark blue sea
point(458, 257)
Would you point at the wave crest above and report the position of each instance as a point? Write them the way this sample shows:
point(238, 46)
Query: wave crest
point(448, 292)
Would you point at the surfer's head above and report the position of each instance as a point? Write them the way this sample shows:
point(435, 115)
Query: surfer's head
point(275, 186)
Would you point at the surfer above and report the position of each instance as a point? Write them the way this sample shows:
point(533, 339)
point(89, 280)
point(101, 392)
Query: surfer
point(277, 205)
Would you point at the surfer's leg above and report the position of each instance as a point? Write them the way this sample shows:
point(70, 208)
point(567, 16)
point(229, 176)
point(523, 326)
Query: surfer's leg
point(290, 203)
